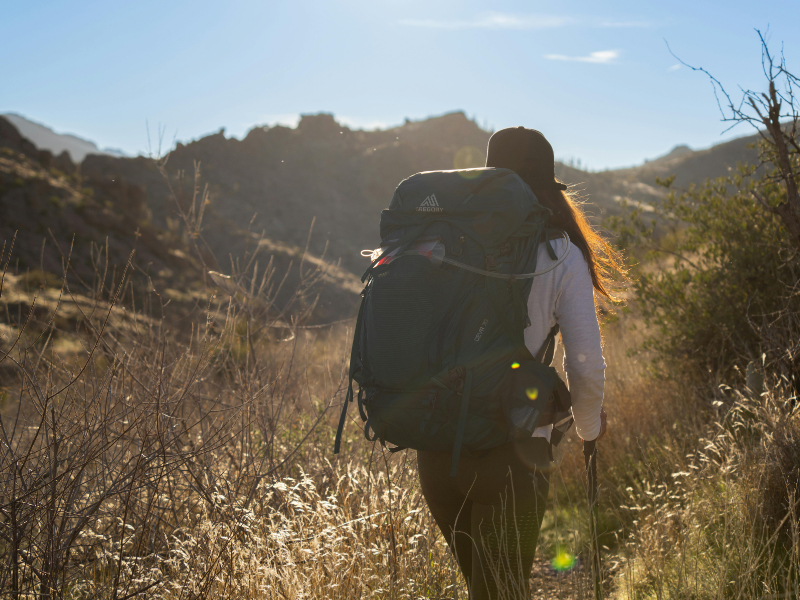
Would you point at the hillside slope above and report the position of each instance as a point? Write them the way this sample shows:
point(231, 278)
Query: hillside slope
point(44, 202)
point(278, 180)
point(51, 211)
point(45, 138)
point(606, 188)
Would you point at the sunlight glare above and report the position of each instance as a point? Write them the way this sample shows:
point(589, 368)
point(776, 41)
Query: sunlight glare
point(468, 157)
point(563, 561)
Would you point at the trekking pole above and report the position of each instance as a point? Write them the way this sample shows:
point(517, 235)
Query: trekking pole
point(590, 458)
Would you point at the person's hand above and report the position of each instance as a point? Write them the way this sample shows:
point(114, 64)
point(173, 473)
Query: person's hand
point(603, 419)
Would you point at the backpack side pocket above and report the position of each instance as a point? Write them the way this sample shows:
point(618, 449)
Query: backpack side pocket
point(532, 397)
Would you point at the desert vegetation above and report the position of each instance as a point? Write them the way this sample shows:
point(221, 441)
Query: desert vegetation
point(166, 431)
point(143, 461)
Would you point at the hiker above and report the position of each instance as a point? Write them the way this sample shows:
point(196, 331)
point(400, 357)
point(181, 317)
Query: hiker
point(498, 499)
point(477, 273)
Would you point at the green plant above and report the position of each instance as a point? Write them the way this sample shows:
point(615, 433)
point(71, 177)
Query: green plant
point(716, 270)
point(718, 283)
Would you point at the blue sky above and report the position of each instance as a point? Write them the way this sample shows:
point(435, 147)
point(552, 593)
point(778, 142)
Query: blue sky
point(596, 78)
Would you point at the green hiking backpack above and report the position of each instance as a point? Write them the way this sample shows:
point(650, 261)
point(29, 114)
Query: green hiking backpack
point(438, 351)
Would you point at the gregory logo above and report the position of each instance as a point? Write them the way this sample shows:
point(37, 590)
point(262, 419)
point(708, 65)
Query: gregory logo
point(430, 205)
point(478, 335)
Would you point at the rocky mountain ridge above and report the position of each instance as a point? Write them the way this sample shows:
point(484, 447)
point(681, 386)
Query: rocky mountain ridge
point(47, 206)
point(277, 181)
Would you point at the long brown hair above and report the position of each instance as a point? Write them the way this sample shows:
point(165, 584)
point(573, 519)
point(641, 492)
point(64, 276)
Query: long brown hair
point(606, 265)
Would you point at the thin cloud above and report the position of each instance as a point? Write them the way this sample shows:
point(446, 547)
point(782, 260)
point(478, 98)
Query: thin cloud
point(512, 21)
point(493, 21)
point(613, 23)
point(599, 57)
point(674, 67)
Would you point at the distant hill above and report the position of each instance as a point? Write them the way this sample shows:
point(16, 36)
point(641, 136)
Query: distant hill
point(44, 201)
point(605, 189)
point(45, 138)
point(278, 180)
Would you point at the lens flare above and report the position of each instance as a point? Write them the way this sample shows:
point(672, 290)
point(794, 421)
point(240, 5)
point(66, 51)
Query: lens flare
point(515, 365)
point(532, 393)
point(468, 157)
point(563, 561)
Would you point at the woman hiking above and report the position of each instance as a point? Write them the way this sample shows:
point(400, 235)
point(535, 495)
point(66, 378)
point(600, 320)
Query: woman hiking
point(491, 511)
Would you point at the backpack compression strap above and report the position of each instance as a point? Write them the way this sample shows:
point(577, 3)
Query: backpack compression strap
point(545, 353)
point(462, 422)
point(471, 269)
point(419, 230)
point(403, 241)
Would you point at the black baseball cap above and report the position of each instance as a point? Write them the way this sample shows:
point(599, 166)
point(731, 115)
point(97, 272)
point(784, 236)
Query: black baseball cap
point(526, 152)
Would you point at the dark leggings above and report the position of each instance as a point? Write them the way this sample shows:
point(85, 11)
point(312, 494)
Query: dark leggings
point(491, 512)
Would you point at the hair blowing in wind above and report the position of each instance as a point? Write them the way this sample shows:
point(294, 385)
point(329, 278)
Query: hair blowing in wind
point(606, 264)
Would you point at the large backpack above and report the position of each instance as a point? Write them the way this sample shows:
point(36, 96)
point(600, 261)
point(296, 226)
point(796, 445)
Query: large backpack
point(438, 351)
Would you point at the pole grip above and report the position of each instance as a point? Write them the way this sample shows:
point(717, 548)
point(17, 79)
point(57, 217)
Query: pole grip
point(590, 459)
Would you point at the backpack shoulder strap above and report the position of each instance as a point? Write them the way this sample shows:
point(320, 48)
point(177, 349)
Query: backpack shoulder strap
point(565, 418)
point(545, 353)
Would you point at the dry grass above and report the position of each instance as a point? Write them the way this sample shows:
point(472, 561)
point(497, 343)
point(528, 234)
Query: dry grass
point(724, 522)
point(139, 462)
point(699, 495)
point(701, 491)
point(144, 457)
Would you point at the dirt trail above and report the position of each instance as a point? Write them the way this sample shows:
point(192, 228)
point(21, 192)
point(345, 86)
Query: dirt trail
point(549, 584)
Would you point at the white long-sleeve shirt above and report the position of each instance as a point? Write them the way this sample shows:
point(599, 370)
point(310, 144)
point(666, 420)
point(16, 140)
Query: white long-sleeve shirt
point(565, 296)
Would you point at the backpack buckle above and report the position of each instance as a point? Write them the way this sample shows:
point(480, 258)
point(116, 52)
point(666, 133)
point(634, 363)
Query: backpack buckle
point(456, 249)
point(490, 262)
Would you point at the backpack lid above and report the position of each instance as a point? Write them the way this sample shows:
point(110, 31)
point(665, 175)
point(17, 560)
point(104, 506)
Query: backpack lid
point(488, 204)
